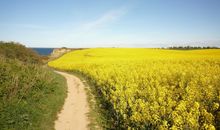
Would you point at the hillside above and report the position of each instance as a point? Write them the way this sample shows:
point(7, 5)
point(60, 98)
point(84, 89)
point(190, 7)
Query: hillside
point(30, 94)
point(13, 50)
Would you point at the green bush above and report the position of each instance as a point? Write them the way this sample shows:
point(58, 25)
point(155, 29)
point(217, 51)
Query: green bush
point(14, 50)
point(30, 94)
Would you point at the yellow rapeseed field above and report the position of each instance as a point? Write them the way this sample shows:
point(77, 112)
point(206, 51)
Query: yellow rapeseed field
point(153, 88)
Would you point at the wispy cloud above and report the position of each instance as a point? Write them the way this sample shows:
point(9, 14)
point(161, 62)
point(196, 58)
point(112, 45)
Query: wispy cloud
point(105, 19)
point(90, 29)
point(23, 25)
point(31, 26)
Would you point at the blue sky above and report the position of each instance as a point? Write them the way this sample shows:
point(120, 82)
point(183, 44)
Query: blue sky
point(110, 23)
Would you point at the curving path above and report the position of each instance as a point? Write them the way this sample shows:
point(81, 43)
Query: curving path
point(73, 116)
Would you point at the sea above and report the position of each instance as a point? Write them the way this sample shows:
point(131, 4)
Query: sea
point(43, 51)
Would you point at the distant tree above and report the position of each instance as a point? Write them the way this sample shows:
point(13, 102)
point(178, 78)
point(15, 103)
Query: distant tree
point(191, 47)
point(64, 48)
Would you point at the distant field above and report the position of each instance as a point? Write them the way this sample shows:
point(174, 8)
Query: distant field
point(153, 88)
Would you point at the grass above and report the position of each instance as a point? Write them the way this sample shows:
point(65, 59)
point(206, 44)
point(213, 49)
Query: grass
point(52, 103)
point(30, 96)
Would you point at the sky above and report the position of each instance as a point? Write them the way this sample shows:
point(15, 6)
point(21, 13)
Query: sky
point(110, 23)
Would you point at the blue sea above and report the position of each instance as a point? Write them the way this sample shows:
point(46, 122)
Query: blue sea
point(43, 51)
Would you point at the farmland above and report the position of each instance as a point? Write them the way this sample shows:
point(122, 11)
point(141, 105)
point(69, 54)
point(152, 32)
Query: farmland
point(153, 88)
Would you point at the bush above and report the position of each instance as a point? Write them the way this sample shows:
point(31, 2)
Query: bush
point(14, 50)
point(30, 94)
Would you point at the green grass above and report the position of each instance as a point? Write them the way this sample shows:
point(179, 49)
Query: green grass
point(13, 50)
point(30, 96)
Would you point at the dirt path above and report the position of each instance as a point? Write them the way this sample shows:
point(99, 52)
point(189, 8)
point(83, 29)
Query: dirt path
point(73, 116)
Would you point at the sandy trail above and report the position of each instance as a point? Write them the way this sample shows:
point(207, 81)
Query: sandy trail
point(73, 116)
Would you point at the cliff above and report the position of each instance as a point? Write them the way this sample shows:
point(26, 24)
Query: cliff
point(57, 52)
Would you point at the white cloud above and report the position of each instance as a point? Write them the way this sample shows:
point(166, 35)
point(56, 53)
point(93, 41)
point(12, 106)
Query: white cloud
point(32, 26)
point(107, 18)
point(27, 26)
point(89, 30)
